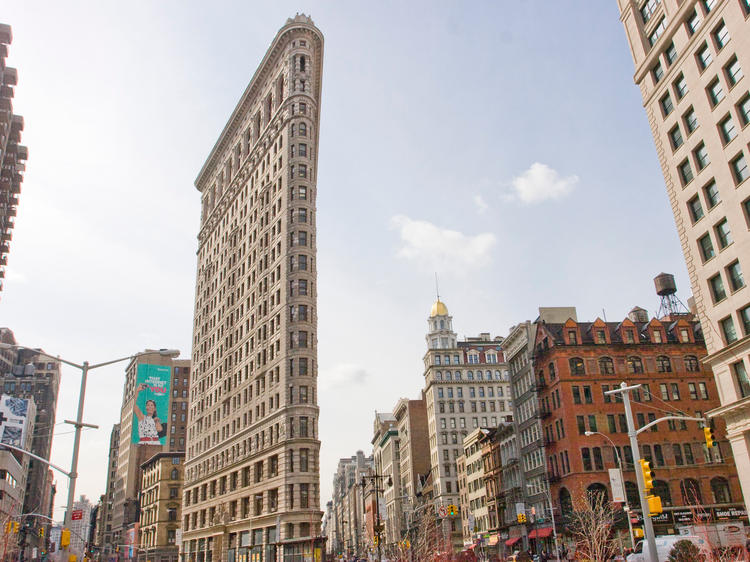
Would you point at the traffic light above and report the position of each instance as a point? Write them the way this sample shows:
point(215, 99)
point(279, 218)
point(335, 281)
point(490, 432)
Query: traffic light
point(648, 476)
point(375, 540)
point(452, 510)
point(638, 532)
point(41, 532)
point(65, 538)
point(654, 505)
point(522, 518)
point(16, 526)
point(710, 437)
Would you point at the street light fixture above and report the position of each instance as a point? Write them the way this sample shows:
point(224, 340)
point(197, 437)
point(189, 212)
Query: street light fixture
point(622, 479)
point(85, 367)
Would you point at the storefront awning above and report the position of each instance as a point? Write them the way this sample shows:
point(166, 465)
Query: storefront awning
point(511, 542)
point(540, 533)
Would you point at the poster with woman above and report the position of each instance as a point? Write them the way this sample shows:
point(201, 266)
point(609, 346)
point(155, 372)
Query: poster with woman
point(151, 407)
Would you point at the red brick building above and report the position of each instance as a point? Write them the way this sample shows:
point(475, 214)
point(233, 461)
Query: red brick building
point(575, 363)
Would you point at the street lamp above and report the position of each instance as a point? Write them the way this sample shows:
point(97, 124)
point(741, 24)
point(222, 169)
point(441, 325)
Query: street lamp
point(374, 478)
point(85, 367)
point(622, 479)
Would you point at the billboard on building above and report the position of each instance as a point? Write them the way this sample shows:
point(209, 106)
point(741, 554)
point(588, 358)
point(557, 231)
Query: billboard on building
point(14, 414)
point(151, 407)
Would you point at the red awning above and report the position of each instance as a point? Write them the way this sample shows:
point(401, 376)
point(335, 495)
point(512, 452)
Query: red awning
point(511, 542)
point(471, 547)
point(540, 533)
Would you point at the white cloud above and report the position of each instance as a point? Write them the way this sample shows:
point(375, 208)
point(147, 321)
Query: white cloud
point(440, 248)
point(481, 204)
point(344, 374)
point(540, 183)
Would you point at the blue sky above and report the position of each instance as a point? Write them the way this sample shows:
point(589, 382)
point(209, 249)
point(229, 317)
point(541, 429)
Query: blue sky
point(502, 145)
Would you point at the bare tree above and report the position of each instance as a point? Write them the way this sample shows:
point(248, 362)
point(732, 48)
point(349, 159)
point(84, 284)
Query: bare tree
point(591, 526)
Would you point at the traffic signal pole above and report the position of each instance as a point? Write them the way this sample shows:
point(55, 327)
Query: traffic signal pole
point(648, 526)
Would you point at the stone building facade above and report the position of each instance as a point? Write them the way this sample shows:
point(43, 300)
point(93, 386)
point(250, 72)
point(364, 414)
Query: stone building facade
point(690, 59)
point(161, 495)
point(252, 476)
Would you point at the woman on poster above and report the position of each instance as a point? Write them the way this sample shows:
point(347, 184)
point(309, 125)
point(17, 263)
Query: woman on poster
point(149, 425)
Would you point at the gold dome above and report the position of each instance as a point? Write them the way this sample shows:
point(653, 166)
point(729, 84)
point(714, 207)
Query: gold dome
point(438, 309)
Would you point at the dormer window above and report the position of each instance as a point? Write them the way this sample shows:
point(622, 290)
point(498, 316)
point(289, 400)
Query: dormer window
point(657, 336)
point(491, 357)
point(473, 358)
point(572, 337)
point(601, 337)
point(684, 335)
point(629, 336)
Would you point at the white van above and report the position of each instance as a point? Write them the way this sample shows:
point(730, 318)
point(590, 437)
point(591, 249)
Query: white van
point(664, 546)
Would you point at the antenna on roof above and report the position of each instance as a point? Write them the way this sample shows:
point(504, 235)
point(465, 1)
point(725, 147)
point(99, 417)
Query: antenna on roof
point(437, 287)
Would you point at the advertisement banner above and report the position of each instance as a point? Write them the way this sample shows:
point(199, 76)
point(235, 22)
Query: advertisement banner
point(151, 409)
point(618, 489)
point(13, 417)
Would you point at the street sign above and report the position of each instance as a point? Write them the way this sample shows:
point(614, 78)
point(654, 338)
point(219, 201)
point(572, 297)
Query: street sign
point(442, 512)
point(618, 490)
point(77, 515)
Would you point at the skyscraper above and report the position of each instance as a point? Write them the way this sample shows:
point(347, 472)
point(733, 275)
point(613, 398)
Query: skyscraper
point(251, 473)
point(690, 58)
point(12, 154)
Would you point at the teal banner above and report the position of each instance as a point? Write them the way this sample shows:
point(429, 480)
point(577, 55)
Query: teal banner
point(151, 410)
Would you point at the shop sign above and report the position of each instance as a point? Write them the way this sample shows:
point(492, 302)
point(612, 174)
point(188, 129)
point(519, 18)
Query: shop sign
point(724, 513)
point(663, 518)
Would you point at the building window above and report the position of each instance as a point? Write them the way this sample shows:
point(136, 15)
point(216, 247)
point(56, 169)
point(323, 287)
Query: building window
point(733, 71)
point(723, 234)
point(694, 21)
point(712, 195)
point(635, 365)
point(728, 330)
point(680, 87)
point(706, 247)
point(576, 366)
point(648, 9)
point(691, 364)
point(606, 366)
point(740, 169)
point(704, 57)
point(675, 136)
point(727, 129)
point(666, 104)
point(715, 92)
point(701, 156)
point(658, 72)
point(686, 172)
point(743, 109)
point(656, 33)
point(663, 364)
point(745, 317)
point(670, 54)
point(721, 36)
point(717, 288)
point(696, 210)
point(690, 120)
point(740, 376)
point(734, 274)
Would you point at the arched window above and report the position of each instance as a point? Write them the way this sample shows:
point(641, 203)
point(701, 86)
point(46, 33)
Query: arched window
point(498, 376)
point(439, 376)
point(635, 365)
point(661, 489)
point(175, 474)
point(457, 375)
point(663, 364)
point(631, 494)
point(720, 489)
point(691, 492)
point(551, 368)
point(566, 503)
point(597, 494)
point(448, 376)
point(691, 364)
point(606, 366)
point(442, 324)
point(470, 375)
point(302, 63)
point(576, 366)
point(480, 376)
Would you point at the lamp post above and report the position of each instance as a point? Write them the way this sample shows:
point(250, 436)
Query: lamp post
point(374, 479)
point(622, 479)
point(85, 367)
